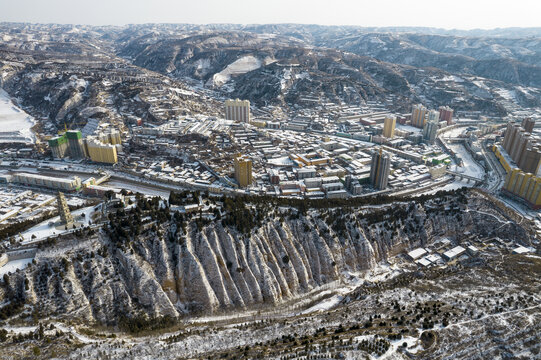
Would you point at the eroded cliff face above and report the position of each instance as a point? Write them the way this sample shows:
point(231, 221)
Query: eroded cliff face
point(178, 271)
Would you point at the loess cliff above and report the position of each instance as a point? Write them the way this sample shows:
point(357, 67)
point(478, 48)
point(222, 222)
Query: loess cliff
point(155, 262)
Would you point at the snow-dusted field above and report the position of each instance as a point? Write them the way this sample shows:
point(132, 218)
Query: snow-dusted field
point(15, 124)
point(44, 230)
point(141, 188)
point(451, 186)
point(13, 265)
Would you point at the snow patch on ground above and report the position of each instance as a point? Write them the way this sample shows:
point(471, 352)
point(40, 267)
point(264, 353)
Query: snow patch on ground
point(14, 265)
point(507, 94)
point(137, 188)
point(325, 305)
point(184, 92)
point(448, 187)
point(378, 273)
point(20, 329)
point(48, 227)
point(70, 329)
point(470, 166)
point(285, 78)
point(452, 78)
point(15, 124)
point(241, 66)
point(481, 85)
point(408, 128)
point(302, 75)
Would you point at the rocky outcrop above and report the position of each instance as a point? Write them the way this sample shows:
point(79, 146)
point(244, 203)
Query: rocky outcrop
point(216, 268)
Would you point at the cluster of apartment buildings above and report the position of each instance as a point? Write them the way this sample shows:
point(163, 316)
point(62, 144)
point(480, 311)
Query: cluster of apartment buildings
point(520, 155)
point(420, 115)
point(429, 120)
point(101, 148)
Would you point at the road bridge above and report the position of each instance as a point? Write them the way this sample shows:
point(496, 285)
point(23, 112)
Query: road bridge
point(464, 176)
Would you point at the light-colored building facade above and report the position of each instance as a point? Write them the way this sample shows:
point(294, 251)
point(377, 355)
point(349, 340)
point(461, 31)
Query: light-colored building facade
point(437, 171)
point(100, 152)
point(111, 137)
point(237, 110)
point(418, 115)
point(389, 124)
point(430, 131)
point(433, 116)
point(47, 181)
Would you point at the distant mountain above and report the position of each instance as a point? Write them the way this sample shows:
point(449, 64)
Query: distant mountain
point(285, 68)
point(268, 69)
point(509, 60)
point(285, 64)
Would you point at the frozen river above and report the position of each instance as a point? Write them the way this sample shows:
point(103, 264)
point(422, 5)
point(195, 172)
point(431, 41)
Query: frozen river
point(469, 165)
point(15, 124)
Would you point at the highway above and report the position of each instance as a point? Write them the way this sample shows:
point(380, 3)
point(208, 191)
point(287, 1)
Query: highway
point(495, 166)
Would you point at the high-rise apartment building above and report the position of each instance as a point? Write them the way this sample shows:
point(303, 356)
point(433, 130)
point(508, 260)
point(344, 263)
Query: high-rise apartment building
point(100, 152)
point(528, 124)
point(524, 185)
point(519, 144)
point(75, 144)
point(103, 147)
point(433, 116)
point(111, 136)
point(243, 170)
point(238, 110)
point(446, 114)
point(430, 131)
point(418, 116)
point(59, 146)
point(380, 169)
point(522, 147)
point(530, 159)
point(509, 137)
point(389, 125)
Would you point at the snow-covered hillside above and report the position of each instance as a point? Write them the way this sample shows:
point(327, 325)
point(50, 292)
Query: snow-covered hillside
point(15, 124)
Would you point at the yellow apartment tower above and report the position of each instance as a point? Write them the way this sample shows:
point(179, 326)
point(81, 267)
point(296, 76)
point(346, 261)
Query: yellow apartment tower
point(243, 170)
point(100, 152)
point(524, 185)
point(389, 126)
point(418, 116)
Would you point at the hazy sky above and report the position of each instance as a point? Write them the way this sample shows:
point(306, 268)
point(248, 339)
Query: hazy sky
point(449, 14)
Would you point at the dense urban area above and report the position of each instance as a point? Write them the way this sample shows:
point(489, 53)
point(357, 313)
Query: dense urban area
point(269, 191)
